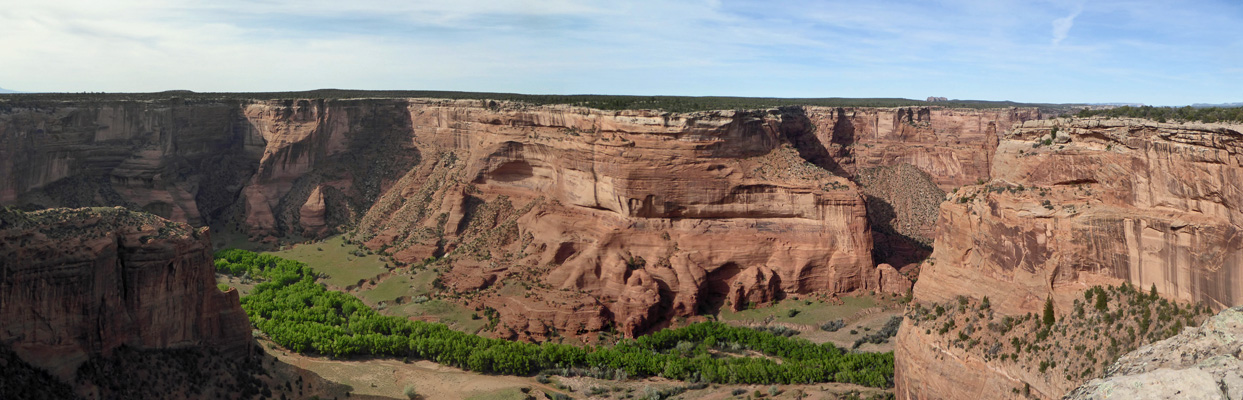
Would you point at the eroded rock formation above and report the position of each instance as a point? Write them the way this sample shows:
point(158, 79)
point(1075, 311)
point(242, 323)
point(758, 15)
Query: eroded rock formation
point(76, 283)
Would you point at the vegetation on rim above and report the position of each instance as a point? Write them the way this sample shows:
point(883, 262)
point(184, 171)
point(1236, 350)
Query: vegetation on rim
point(603, 102)
point(1077, 345)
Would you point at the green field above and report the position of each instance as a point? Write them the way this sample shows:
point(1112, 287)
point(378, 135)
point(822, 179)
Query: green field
point(815, 313)
point(456, 316)
point(409, 287)
point(396, 286)
point(332, 257)
point(503, 394)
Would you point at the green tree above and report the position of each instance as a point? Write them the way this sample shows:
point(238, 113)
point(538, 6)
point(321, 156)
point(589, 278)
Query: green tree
point(1153, 292)
point(1102, 302)
point(1049, 318)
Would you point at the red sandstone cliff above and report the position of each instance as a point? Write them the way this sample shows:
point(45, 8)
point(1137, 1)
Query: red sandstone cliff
point(628, 217)
point(954, 146)
point(1099, 202)
point(625, 217)
point(81, 282)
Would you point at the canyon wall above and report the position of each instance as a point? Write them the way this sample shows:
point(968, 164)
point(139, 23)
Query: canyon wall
point(948, 148)
point(954, 146)
point(1075, 203)
point(604, 218)
point(252, 165)
point(75, 283)
point(626, 218)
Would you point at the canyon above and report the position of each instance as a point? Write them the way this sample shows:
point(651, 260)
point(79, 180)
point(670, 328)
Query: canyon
point(568, 220)
point(607, 218)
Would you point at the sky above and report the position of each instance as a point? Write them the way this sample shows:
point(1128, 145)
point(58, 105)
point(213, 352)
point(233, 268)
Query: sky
point(1060, 51)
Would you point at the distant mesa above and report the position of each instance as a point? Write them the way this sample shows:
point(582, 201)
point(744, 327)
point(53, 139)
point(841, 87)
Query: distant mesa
point(935, 99)
point(1222, 105)
point(3, 90)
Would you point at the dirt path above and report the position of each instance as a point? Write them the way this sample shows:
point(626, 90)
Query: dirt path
point(389, 378)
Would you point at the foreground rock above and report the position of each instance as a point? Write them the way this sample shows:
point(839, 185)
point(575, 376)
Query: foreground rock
point(1200, 363)
point(79, 283)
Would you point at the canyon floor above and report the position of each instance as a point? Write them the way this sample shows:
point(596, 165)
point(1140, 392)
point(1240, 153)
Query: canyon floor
point(388, 378)
point(395, 291)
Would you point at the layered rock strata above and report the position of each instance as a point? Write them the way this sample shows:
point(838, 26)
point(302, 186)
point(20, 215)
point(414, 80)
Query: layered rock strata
point(76, 283)
point(954, 146)
point(625, 217)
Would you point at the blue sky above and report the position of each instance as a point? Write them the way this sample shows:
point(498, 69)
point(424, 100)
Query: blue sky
point(1154, 52)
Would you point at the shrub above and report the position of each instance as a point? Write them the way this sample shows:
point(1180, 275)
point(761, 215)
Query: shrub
point(1049, 318)
point(834, 325)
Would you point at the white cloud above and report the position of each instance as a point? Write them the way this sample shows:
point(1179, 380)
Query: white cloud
point(1061, 26)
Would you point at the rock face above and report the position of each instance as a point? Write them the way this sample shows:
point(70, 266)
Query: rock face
point(1123, 200)
point(1083, 202)
point(877, 146)
point(954, 146)
point(253, 164)
point(81, 282)
point(1200, 363)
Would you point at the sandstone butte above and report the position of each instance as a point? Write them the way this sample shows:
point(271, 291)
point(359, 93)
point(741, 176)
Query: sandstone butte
point(611, 218)
point(1105, 201)
point(77, 283)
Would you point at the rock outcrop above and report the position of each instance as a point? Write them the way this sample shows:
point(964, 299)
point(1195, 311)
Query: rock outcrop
point(1074, 203)
point(76, 283)
point(1200, 363)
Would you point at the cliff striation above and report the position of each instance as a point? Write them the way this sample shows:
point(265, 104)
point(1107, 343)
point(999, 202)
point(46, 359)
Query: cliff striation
point(77, 283)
